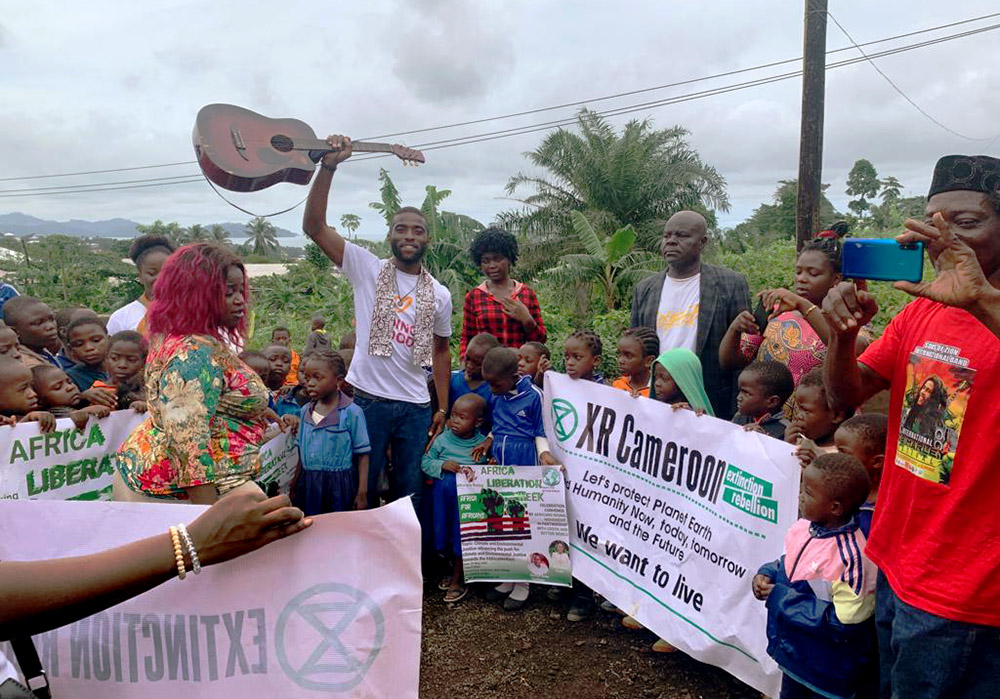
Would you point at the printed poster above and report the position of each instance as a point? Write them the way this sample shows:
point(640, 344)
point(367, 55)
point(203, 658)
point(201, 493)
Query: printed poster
point(671, 515)
point(334, 611)
point(938, 384)
point(513, 524)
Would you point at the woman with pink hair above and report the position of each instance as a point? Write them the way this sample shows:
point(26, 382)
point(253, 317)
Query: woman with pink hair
point(206, 407)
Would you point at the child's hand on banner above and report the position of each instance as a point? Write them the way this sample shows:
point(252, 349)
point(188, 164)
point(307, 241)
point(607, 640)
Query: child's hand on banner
point(46, 420)
point(687, 406)
point(762, 586)
point(547, 459)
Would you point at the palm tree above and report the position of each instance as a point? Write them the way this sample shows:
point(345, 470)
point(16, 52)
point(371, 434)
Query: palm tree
point(196, 234)
point(891, 189)
point(218, 234)
point(350, 222)
point(640, 176)
point(262, 238)
point(611, 262)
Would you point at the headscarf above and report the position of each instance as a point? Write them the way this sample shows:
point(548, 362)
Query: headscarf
point(685, 369)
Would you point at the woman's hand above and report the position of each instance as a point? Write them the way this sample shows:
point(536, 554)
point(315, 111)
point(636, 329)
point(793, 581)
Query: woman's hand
point(451, 466)
point(242, 522)
point(516, 310)
point(778, 301)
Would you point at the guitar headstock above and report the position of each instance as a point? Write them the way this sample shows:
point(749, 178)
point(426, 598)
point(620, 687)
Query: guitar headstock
point(407, 155)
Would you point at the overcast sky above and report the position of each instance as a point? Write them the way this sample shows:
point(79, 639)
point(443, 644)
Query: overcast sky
point(104, 84)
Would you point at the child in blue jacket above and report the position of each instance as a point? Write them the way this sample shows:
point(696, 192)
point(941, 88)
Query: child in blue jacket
point(821, 593)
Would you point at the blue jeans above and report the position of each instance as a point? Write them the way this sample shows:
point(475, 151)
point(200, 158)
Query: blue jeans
point(403, 427)
point(924, 655)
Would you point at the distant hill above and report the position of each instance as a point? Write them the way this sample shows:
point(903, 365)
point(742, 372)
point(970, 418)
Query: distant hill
point(23, 224)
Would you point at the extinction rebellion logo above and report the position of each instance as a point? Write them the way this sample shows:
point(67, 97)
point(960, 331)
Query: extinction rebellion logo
point(564, 419)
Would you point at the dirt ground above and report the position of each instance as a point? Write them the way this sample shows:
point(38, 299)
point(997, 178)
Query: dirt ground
point(476, 649)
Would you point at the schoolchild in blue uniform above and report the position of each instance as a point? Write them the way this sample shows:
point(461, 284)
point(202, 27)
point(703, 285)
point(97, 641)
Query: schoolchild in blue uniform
point(332, 435)
point(518, 437)
point(469, 379)
point(279, 359)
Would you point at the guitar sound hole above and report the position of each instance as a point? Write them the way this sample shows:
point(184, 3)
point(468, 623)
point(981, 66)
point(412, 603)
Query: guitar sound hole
point(282, 143)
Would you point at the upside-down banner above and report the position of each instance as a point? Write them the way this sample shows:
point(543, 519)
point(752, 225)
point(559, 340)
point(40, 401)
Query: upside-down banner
point(334, 611)
point(670, 516)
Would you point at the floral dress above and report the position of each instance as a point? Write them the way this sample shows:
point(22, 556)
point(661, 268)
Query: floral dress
point(206, 419)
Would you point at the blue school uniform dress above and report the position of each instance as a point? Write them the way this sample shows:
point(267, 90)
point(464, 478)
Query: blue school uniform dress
point(444, 492)
point(459, 386)
point(328, 481)
point(517, 420)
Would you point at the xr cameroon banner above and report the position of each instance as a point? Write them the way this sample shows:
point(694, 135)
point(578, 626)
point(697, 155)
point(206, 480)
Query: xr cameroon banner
point(670, 516)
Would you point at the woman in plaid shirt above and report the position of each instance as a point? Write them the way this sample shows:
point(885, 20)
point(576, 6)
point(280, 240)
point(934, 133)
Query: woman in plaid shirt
point(500, 306)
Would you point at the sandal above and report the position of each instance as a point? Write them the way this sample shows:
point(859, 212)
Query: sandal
point(456, 594)
point(445, 583)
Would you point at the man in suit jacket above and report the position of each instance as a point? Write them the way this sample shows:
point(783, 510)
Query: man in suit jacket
point(691, 304)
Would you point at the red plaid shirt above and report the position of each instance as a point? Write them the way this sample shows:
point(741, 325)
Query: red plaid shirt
point(484, 314)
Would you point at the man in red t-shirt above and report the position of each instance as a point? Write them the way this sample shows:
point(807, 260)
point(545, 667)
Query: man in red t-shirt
point(936, 531)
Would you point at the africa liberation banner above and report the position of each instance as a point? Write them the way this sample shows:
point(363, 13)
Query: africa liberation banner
point(670, 516)
point(513, 524)
point(332, 611)
point(72, 464)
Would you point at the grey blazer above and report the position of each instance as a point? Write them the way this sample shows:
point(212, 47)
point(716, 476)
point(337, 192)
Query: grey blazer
point(724, 293)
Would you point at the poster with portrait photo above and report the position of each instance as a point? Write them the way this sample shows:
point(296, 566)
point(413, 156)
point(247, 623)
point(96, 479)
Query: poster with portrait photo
point(938, 384)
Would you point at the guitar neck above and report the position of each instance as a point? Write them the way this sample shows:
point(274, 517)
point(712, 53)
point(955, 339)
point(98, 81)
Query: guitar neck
point(357, 146)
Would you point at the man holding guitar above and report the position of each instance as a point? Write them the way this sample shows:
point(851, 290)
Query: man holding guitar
point(403, 320)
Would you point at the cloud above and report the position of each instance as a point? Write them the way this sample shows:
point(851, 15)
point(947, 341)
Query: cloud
point(452, 52)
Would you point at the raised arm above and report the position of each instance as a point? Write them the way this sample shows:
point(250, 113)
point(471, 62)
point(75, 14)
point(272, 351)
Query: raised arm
point(849, 383)
point(314, 219)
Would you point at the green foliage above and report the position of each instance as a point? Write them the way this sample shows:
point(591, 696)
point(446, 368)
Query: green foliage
point(390, 202)
point(774, 221)
point(639, 177)
point(863, 183)
point(291, 300)
point(610, 263)
point(350, 223)
point(262, 238)
point(66, 271)
point(316, 257)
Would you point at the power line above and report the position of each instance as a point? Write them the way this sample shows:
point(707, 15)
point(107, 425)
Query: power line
point(560, 106)
point(516, 131)
point(900, 91)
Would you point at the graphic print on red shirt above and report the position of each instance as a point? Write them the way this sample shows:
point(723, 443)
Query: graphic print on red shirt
point(938, 385)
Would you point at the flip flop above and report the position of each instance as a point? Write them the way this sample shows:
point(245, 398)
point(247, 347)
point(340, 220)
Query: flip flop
point(456, 594)
point(445, 583)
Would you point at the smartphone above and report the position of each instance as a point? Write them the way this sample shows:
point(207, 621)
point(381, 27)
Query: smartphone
point(760, 316)
point(882, 259)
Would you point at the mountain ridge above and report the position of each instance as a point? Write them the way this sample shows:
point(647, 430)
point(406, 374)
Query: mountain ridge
point(20, 224)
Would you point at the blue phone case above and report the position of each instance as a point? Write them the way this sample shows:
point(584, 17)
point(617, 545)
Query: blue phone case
point(882, 260)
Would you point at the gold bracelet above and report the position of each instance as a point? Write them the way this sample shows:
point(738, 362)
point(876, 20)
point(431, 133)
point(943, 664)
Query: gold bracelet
point(809, 310)
point(175, 537)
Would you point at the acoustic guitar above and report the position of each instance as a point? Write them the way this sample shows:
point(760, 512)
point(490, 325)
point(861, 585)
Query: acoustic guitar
point(242, 151)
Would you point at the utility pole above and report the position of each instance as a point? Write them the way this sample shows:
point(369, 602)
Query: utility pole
point(811, 136)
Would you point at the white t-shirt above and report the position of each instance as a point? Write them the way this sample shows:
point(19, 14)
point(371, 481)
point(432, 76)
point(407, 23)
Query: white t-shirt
point(677, 315)
point(127, 317)
point(395, 377)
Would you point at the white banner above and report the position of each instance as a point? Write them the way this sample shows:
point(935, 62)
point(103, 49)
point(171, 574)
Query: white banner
point(671, 514)
point(68, 464)
point(513, 524)
point(72, 464)
point(332, 611)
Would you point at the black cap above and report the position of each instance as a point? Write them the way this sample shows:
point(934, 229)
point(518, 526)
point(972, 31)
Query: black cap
point(976, 173)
